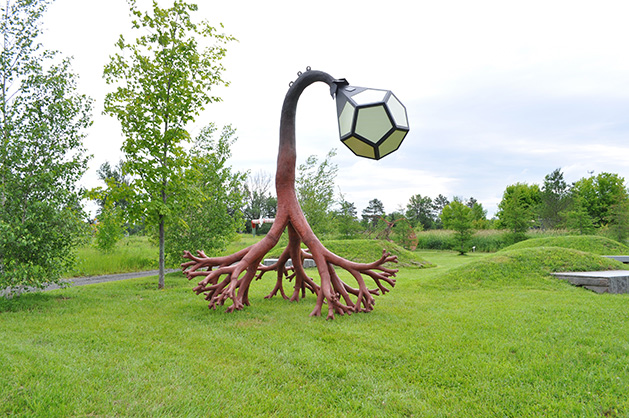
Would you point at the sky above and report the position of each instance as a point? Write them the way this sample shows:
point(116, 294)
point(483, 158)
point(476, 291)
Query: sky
point(496, 92)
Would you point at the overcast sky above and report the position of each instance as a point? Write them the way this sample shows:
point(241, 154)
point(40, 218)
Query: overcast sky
point(497, 92)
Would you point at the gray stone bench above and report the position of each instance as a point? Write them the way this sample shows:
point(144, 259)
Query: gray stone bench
point(308, 263)
point(609, 281)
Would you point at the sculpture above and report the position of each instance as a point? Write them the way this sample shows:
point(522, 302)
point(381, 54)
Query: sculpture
point(229, 277)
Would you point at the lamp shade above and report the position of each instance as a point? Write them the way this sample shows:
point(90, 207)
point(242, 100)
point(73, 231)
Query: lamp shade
point(372, 123)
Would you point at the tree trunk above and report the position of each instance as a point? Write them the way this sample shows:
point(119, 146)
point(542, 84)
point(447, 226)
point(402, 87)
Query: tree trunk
point(161, 253)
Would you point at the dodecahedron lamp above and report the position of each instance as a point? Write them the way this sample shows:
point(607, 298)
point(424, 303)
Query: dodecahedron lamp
point(372, 123)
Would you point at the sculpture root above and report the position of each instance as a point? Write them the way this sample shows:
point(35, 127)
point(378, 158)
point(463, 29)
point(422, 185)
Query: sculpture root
point(230, 277)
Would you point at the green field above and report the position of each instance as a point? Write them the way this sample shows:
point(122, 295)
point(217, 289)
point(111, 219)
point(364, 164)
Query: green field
point(476, 336)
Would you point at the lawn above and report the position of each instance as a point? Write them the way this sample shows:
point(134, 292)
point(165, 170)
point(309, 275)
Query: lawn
point(428, 349)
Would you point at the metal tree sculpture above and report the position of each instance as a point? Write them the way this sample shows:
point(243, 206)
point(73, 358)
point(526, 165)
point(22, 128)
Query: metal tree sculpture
point(229, 277)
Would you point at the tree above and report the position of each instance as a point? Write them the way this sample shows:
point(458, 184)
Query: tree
point(372, 213)
point(420, 210)
point(555, 198)
point(599, 193)
point(577, 218)
point(162, 82)
point(516, 210)
point(478, 213)
point(618, 218)
point(206, 214)
point(346, 217)
point(458, 217)
point(42, 124)
point(315, 191)
point(259, 202)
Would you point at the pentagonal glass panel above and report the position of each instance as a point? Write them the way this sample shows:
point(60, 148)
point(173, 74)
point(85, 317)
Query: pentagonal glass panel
point(392, 142)
point(345, 119)
point(397, 111)
point(369, 96)
point(373, 123)
point(360, 148)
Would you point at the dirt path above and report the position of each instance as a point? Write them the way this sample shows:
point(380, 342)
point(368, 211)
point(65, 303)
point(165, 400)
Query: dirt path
point(82, 281)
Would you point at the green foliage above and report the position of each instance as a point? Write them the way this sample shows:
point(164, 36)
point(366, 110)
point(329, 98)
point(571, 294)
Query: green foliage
point(591, 244)
point(259, 202)
point(315, 191)
point(525, 267)
point(42, 123)
point(577, 218)
point(346, 219)
point(109, 229)
point(458, 217)
point(598, 193)
point(618, 218)
point(162, 81)
point(205, 214)
point(516, 210)
point(372, 213)
point(420, 210)
point(555, 198)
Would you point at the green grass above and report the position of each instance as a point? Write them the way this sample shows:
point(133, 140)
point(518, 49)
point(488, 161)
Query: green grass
point(131, 254)
point(524, 268)
point(588, 243)
point(429, 349)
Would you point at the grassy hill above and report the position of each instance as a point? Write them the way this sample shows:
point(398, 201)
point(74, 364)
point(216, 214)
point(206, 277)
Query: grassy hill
point(588, 243)
point(524, 267)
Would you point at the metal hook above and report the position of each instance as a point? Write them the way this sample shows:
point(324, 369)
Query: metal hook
point(308, 68)
point(290, 84)
point(298, 73)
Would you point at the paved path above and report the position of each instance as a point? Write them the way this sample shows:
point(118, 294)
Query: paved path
point(82, 281)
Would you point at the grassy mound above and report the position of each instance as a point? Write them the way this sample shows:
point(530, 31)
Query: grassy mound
point(588, 243)
point(526, 267)
point(364, 251)
point(368, 251)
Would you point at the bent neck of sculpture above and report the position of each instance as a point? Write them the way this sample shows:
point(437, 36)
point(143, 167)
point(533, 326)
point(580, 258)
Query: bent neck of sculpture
point(287, 153)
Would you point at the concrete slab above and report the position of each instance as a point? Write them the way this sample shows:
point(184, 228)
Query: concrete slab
point(607, 281)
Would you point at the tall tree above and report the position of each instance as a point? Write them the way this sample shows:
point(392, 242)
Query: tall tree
point(206, 213)
point(259, 202)
point(42, 123)
point(162, 83)
point(420, 210)
point(372, 213)
point(346, 217)
point(315, 191)
point(517, 209)
point(555, 199)
point(458, 217)
point(599, 193)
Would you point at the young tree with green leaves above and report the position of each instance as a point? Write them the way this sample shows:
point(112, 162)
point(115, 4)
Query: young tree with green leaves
point(517, 209)
point(458, 217)
point(555, 196)
point(346, 217)
point(618, 220)
point(42, 125)
point(315, 191)
point(162, 81)
point(206, 213)
point(372, 213)
point(599, 193)
point(421, 210)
